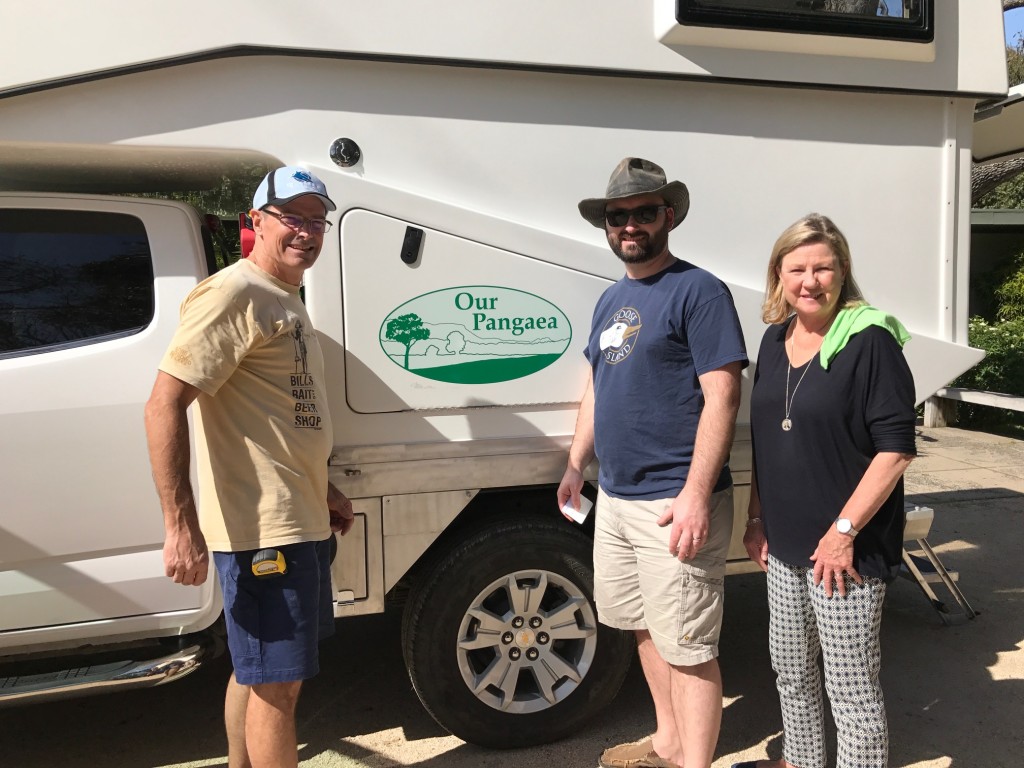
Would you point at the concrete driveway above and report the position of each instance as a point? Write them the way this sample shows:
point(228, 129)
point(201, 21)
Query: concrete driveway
point(955, 694)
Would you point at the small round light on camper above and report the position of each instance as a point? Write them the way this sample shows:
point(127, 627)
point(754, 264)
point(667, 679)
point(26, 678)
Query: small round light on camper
point(345, 152)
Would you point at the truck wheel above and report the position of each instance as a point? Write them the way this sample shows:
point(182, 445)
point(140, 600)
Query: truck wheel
point(501, 638)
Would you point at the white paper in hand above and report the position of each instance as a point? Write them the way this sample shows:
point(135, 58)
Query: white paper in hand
point(570, 511)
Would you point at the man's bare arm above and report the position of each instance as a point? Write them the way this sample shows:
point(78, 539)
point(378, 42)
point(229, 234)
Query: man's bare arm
point(715, 429)
point(186, 559)
point(339, 507)
point(581, 453)
point(690, 513)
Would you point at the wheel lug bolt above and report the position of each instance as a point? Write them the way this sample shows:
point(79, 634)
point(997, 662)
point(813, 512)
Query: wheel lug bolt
point(517, 622)
point(507, 638)
point(532, 654)
point(535, 622)
point(542, 638)
point(514, 654)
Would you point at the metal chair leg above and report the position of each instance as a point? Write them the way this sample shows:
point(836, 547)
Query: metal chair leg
point(937, 572)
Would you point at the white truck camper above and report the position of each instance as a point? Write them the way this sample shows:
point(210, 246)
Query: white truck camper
point(457, 138)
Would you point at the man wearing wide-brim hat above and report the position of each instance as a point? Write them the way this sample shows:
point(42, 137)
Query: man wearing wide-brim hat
point(665, 354)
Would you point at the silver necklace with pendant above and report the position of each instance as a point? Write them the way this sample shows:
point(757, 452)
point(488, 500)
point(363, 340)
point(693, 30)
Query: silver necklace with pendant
point(787, 423)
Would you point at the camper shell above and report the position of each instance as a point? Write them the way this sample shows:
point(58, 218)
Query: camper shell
point(452, 298)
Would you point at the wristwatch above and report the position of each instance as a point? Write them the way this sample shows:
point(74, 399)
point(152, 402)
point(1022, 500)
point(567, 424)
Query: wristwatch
point(845, 527)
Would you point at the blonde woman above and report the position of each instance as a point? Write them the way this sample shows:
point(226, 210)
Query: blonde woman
point(832, 420)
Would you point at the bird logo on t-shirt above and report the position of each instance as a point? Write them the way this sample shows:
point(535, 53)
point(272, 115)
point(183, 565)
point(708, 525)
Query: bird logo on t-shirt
point(619, 336)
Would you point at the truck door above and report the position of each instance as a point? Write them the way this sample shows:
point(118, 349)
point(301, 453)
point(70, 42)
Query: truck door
point(89, 295)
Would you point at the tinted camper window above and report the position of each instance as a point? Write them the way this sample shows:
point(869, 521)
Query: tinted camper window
point(880, 19)
point(71, 277)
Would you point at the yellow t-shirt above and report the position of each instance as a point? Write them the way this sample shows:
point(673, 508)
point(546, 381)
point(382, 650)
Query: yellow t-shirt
point(263, 432)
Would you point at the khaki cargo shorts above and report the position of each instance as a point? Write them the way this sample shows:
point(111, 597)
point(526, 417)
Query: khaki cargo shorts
point(639, 585)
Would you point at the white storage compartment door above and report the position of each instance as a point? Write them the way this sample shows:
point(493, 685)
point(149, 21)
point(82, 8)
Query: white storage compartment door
point(436, 321)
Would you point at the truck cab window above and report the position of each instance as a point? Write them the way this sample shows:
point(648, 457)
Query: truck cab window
point(71, 277)
point(880, 19)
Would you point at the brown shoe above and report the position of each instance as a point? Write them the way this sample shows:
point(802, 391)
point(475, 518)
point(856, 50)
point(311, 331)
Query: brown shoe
point(638, 754)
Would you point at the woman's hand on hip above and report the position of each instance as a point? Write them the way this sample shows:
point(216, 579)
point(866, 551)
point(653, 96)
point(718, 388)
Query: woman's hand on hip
point(832, 559)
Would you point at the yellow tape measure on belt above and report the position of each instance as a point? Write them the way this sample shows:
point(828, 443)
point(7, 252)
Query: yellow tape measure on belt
point(269, 562)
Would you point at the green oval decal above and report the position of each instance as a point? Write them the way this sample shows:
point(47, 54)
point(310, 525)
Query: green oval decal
point(475, 334)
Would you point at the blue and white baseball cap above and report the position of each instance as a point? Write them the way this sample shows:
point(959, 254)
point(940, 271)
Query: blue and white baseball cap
point(287, 183)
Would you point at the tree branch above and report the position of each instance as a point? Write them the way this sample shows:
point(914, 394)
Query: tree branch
point(985, 178)
point(1009, 5)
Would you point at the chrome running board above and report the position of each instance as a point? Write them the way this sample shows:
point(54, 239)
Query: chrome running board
point(119, 675)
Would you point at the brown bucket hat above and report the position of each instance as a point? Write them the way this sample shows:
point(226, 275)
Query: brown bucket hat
point(636, 176)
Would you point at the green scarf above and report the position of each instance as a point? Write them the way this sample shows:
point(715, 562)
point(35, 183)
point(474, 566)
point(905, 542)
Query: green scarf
point(852, 321)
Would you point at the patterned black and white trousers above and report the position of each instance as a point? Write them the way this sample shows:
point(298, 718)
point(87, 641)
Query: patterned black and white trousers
point(844, 630)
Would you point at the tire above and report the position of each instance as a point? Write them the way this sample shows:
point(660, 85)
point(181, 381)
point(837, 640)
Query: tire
point(501, 639)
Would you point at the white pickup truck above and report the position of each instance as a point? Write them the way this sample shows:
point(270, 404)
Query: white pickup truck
point(452, 298)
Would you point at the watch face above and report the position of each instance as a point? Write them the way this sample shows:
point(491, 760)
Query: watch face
point(843, 525)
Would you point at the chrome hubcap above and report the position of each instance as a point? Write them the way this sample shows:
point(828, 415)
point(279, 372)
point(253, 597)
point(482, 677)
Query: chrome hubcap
point(527, 641)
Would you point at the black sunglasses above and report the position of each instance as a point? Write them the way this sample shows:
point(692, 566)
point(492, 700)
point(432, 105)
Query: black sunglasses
point(645, 214)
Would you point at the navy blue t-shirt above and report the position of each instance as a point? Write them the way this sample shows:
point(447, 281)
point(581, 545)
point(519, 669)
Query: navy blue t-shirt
point(650, 339)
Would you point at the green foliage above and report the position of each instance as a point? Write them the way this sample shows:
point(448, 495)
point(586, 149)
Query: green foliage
point(1015, 62)
point(1010, 293)
point(1009, 194)
point(983, 289)
point(230, 198)
point(226, 200)
point(1002, 370)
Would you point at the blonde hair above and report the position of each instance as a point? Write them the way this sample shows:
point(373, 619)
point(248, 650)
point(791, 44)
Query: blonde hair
point(812, 228)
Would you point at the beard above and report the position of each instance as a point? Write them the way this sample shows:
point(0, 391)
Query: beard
point(651, 245)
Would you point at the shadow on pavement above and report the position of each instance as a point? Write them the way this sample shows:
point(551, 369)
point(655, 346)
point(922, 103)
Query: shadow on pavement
point(953, 692)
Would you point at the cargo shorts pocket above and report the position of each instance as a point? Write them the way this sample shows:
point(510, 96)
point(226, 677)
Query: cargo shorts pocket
point(701, 610)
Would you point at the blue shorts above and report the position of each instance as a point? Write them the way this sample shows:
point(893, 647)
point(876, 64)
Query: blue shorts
point(275, 622)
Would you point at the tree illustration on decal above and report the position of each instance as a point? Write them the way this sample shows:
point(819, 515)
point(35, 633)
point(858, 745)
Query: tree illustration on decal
point(407, 330)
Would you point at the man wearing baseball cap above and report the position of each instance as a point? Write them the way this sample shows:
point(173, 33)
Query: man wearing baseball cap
point(659, 409)
point(245, 352)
